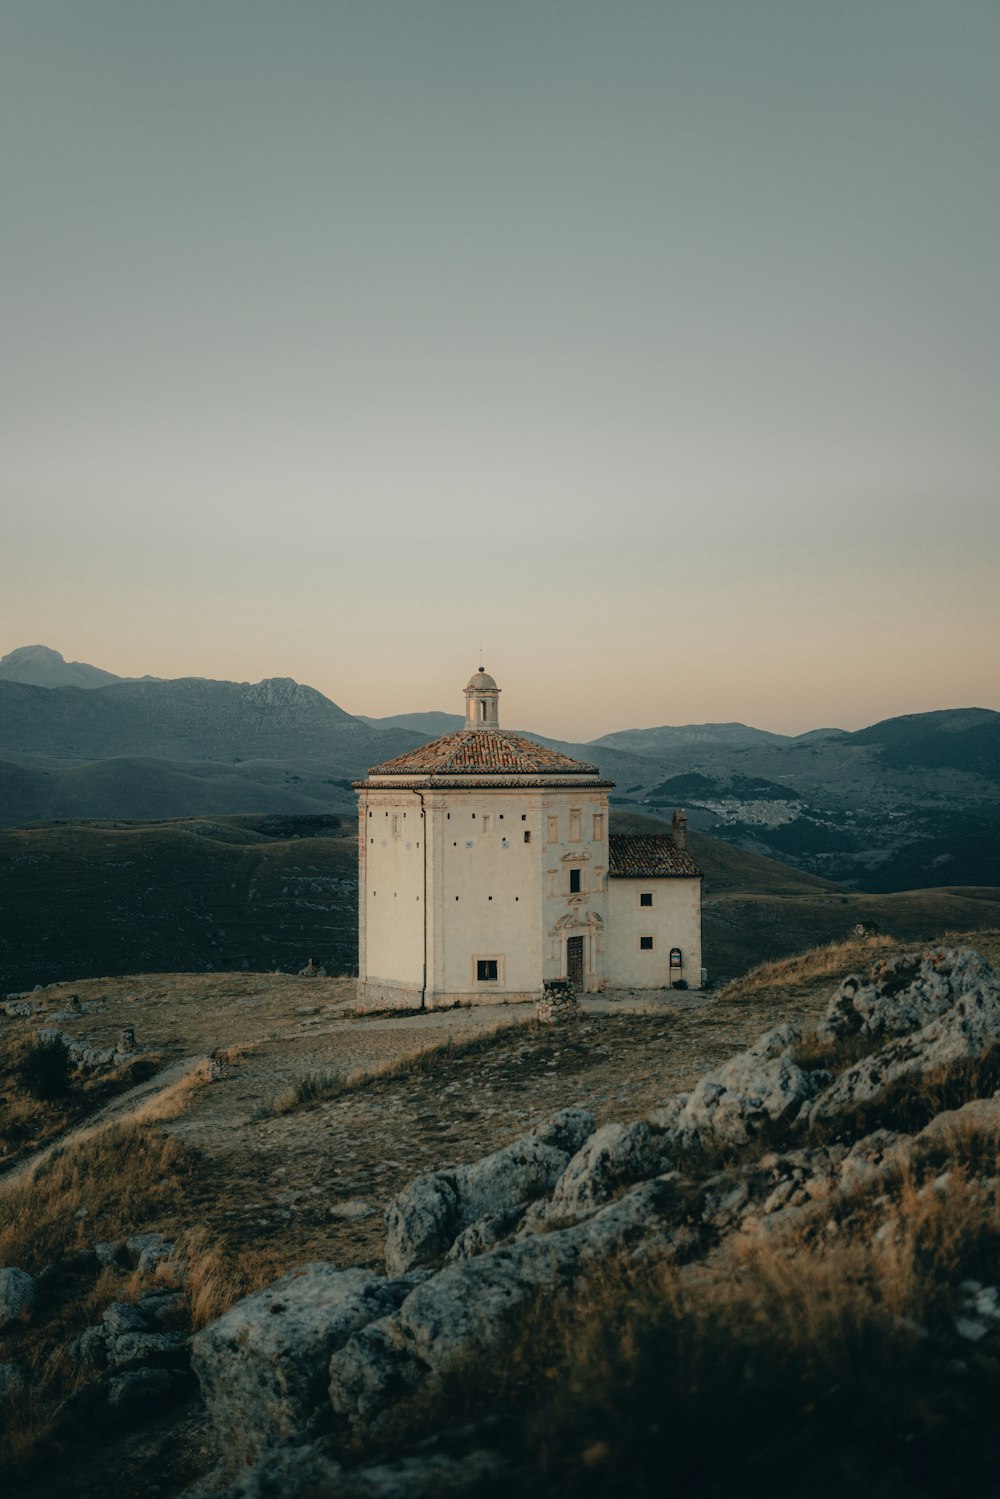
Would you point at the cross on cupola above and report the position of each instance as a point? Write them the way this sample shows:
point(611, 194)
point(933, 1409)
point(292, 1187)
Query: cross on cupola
point(482, 702)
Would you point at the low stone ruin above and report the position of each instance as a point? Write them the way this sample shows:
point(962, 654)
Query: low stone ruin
point(559, 1003)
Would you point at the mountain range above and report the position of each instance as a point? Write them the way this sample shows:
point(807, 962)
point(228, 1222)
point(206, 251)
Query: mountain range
point(910, 802)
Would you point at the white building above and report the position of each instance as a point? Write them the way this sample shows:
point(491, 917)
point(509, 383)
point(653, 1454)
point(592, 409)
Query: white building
point(486, 868)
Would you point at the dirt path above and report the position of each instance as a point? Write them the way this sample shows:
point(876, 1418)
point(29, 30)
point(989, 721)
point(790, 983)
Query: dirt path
point(314, 1183)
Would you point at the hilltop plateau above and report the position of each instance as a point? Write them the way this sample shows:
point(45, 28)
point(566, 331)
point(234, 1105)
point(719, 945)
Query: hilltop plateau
point(515, 1256)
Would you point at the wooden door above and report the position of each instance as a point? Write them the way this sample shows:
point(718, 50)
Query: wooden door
point(574, 961)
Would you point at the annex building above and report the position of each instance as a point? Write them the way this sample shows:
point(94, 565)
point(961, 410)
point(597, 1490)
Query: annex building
point(486, 868)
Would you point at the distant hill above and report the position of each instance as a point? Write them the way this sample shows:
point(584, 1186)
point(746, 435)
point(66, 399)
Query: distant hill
point(40, 666)
point(82, 900)
point(431, 724)
point(906, 803)
point(966, 739)
point(683, 738)
point(188, 719)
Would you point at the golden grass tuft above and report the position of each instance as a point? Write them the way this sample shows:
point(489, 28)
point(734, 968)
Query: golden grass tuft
point(834, 960)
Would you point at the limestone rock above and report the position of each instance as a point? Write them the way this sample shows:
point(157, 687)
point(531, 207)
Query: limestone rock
point(121, 1318)
point(18, 1296)
point(263, 1366)
point(762, 1085)
point(615, 1156)
point(962, 1031)
point(141, 1388)
point(133, 1349)
point(461, 1310)
point(905, 993)
point(306, 1471)
point(425, 1219)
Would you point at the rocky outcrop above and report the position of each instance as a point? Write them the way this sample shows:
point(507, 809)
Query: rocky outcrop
point(264, 1366)
point(425, 1219)
point(905, 993)
point(761, 1086)
point(464, 1308)
point(306, 1469)
point(613, 1157)
point(960, 990)
point(18, 1295)
point(336, 1351)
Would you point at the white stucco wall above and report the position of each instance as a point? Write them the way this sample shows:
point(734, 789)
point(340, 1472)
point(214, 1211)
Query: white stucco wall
point(673, 920)
point(489, 894)
point(391, 892)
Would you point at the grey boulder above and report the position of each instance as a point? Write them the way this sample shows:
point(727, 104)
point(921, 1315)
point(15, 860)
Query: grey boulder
point(263, 1366)
point(615, 1156)
point(761, 1086)
point(962, 1032)
point(18, 1296)
point(463, 1309)
point(425, 1219)
point(905, 993)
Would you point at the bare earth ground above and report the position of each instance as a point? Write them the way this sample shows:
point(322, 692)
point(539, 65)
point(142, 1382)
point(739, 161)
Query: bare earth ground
point(313, 1183)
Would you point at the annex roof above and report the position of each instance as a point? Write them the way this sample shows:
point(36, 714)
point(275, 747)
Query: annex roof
point(479, 752)
point(651, 856)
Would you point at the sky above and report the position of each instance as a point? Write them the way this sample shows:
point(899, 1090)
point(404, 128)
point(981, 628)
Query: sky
point(652, 347)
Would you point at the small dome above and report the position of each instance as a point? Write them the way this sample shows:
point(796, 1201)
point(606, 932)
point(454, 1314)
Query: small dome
point(481, 681)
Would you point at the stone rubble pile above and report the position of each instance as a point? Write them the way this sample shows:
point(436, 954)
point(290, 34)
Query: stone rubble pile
point(558, 1005)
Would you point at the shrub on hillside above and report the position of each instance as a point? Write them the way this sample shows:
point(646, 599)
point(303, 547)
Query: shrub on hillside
point(45, 1070)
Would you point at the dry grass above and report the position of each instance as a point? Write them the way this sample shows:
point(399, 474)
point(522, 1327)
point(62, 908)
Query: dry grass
point(835, 960)
point(829, 1351)
point(28, 1122)
point(317, 1087)
point(109, 1184)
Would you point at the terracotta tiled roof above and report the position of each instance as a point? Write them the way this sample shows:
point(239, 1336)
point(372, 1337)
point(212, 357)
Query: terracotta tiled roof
point(483, 752)
point(651, 856)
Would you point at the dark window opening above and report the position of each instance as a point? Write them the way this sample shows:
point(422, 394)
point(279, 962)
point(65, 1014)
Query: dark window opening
point(486, 970)
point(527, 837)
point(646, 898)
point(646, 944)
point(524, 816)
point(574, 882)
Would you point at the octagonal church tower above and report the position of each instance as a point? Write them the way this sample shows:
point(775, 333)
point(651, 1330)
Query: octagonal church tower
point(483, 867)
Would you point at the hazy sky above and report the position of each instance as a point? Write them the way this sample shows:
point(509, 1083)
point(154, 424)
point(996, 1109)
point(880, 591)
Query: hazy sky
point(655, 347)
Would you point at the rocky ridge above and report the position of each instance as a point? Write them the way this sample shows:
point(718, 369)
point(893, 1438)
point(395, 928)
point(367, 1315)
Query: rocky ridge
point(312, 1369)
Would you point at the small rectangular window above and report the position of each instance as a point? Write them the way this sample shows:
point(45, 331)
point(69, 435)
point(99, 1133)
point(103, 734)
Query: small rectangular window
point(395, 825)
point(487, 822)
point(527, 837)
point(553, 833)
point(598, 826)
point(574, 824)
point(646, 944)
point(486, 970)
point(646, 898)
point(574, 882)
